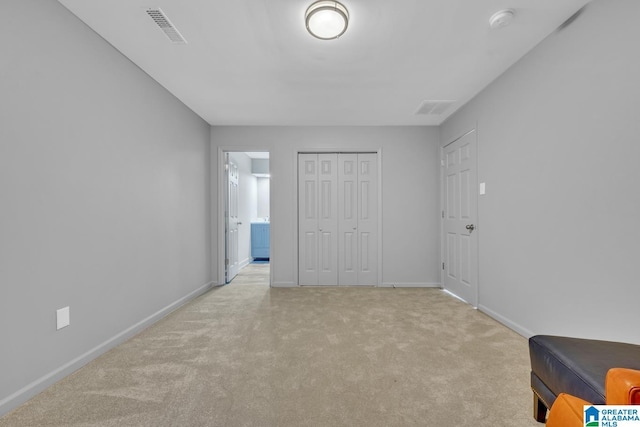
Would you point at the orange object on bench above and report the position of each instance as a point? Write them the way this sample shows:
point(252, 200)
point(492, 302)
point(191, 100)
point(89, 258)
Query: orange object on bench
point(622, 387)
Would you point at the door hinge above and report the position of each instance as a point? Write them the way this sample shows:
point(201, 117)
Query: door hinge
point(226, 167)
point(442, 214)
point(443, 265)
point(226, 261)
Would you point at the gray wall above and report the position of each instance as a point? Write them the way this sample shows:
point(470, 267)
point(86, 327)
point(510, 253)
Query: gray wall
point(264, 188)
point(559, 150)
point(410, 189)
point(104, 186)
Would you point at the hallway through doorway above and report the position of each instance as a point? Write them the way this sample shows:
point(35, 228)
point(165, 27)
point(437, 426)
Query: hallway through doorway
point(253, 274)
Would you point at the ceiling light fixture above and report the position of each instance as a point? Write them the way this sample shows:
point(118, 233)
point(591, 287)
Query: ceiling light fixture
point(502, 18)
point(327, 20)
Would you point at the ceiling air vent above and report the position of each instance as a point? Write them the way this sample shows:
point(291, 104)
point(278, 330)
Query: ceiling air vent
point(166, 26)
point(434, 107)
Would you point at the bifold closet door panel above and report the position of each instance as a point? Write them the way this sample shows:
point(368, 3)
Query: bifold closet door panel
point(348, 219)
point(317, 219)
point(308, 219)
point(328, 219)
point(367, 219)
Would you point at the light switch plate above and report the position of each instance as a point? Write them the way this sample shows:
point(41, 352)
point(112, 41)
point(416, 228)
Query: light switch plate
point(62, 318)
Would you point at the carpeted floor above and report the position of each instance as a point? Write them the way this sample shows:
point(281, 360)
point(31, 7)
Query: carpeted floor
point(249, 355)
point(253, 274)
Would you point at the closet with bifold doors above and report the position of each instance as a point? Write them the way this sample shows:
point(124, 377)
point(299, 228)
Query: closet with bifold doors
point(338, 219)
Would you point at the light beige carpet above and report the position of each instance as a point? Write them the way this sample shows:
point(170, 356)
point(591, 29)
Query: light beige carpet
point(253, 274)
point(248, 355)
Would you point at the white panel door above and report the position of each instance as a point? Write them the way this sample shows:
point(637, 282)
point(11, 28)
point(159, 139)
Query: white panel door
point(231, 221)
point(328, 219)
point(367, 219)
point(358, 219)
point(460, 251)
point(318, 219)
point(348, 264)
point(308, 219)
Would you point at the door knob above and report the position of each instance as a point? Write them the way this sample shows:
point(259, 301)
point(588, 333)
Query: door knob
point(239, 223)
point(470, 227)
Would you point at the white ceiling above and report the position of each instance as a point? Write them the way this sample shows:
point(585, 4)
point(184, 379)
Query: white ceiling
point(252, 62)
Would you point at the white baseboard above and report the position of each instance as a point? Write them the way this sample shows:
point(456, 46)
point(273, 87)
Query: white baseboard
point(506, 322)
point(283, 285)
point(27, 392)
point(244, 263)
point(383, 285)
point(410, 285)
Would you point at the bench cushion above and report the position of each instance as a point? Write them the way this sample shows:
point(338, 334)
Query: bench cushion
point(577, 366)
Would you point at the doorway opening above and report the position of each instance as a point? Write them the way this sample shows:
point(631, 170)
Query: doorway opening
point(246, 213)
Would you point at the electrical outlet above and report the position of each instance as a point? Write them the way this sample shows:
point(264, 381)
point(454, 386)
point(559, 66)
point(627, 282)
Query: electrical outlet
point(62, 318)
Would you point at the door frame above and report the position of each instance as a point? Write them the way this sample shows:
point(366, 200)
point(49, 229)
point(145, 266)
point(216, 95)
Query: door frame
point(219, 207)
point(450, 141)
point(296, 226)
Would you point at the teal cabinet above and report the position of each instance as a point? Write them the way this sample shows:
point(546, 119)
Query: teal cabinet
point(260, 236)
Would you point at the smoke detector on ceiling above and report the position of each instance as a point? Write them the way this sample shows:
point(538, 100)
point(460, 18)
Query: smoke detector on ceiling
point(501, 18)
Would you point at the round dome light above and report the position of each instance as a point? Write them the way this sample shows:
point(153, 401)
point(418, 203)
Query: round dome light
point(327, 20)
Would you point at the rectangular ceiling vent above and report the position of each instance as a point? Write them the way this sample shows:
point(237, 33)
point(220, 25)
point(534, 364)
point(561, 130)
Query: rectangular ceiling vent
point(166, 26)
point(434, 107)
